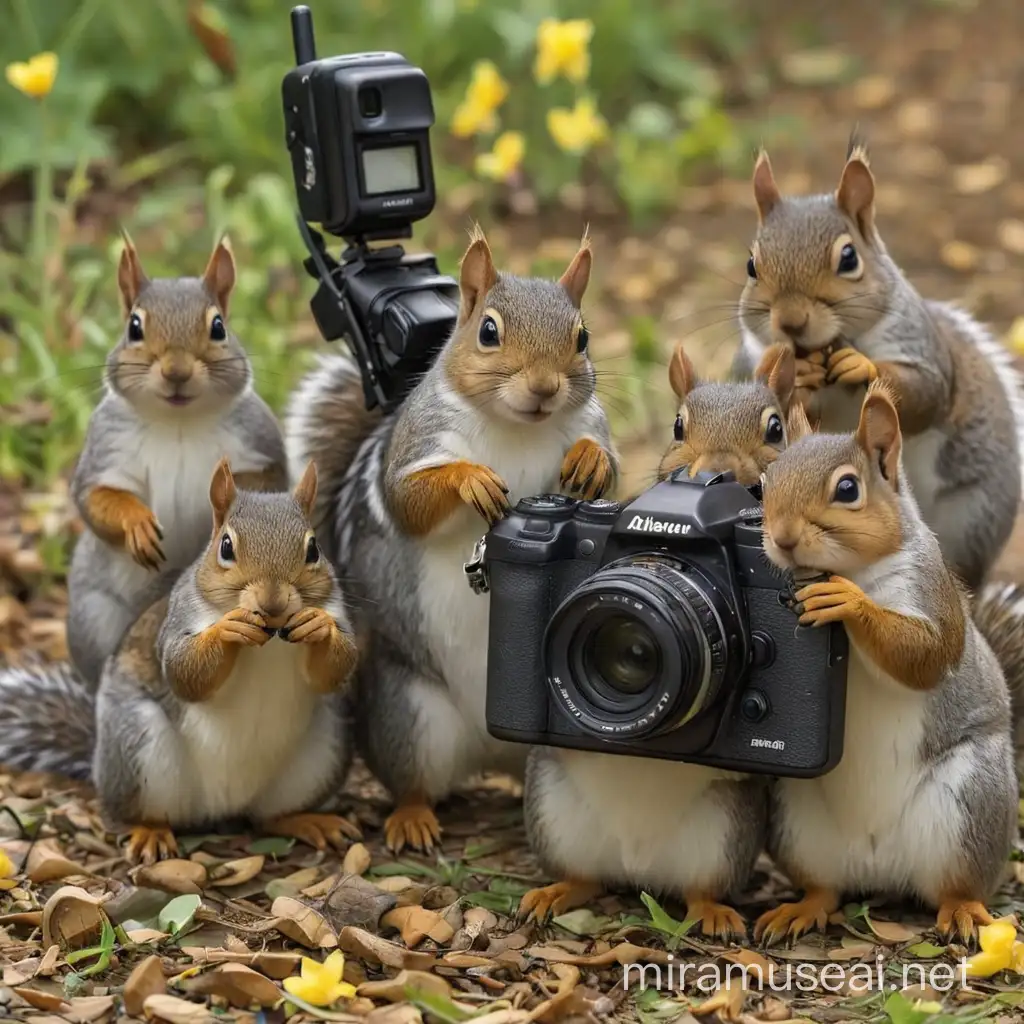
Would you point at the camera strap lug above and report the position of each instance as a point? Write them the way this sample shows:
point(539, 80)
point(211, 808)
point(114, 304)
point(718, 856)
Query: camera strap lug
point(476, 572)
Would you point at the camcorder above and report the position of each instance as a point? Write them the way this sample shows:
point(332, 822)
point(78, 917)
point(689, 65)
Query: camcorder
point(657, 628)
point(357, 127)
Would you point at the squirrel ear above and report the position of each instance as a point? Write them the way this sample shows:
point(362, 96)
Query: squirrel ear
point(856, 193)
point(305, 489)
point(766, 192)
point(222, 492)
point(681, 374)
point(777, 371)
point(577, 274)
point(797, 423)
point(219, 276)
point(878, 432)
point(477, 275)
point(131, 278)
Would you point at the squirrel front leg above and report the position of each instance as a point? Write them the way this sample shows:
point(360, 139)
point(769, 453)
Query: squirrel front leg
point(425, 498)
point(122, 519)
point(588, 470)
point(331, 654)
point(198, 664)
point(913, 651)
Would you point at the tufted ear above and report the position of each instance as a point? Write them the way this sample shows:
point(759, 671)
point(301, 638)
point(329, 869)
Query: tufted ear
point(766, 192)
point(878, 432)
point(577, 274)
point(856, 193)
point(222, 493)
point(131, 278)
point(305, 490)
point(477, 275)
point(681, 374)
point(777, 370)
point(797, 423)
point(219, 276)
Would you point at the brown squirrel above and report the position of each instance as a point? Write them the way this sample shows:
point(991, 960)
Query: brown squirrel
point(178, 398)
point(924, 800)
point(225, 699)
point(820, 279)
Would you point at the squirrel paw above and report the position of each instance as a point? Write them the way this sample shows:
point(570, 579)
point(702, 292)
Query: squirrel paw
point(150, 843)
point(834, 601)
point(485, 491)
point(241, 626)
point(412, 824)
point(962, 917)
point(796, 918)
point(810, 371)
point(316, 830)
point(557, 898)
point(587, 470)
point(142, 536)
point(847, 366)
point(309, 626)
point(716, 919)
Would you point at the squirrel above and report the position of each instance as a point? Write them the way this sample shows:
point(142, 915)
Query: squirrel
point(508, 409)
point(226, 698)
point(178, 397)
point(738, 426)
point(820, 278)
point(928, 749)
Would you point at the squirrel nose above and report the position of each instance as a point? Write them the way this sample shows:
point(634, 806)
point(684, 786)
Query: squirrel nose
point(794, 329)
point(176, 372)
point(545, 387)
point(786, 540)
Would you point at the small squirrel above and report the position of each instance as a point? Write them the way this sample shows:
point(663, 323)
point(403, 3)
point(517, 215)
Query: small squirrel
point(178, 397)
point(820, 279)
point(507, 410)
point(225, 699)
point(924, 800)
point(738, 426)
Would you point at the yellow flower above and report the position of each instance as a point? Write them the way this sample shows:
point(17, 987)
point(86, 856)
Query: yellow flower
point(578, 129)
point(35, 77)
point(504, 159)
point(486, 92)
point(1017, 344)
point(563, 47)
point(321, 984)
point(7, 871)
point(999, 950)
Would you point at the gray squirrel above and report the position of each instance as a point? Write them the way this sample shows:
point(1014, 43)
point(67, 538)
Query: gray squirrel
point(508, 409)
point(820, 279)
point(226, 698)
point(178, 397)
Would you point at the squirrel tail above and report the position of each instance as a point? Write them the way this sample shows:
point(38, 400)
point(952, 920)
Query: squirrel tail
point(47, 720)
point(326, 421)
point(999, 615)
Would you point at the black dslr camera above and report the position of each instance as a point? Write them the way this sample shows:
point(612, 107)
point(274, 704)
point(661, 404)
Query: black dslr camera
point(357, 128)
point(658, 629)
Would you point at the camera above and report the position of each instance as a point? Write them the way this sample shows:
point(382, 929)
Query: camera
point(657, 628)
point(357, 128)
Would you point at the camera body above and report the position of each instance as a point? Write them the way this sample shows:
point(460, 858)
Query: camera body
point(658, 629)
point(357, 128)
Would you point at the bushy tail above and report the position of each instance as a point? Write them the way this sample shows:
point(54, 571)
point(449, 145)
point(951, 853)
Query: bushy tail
point(47, 720)
point(999, 615)
point(327, 421)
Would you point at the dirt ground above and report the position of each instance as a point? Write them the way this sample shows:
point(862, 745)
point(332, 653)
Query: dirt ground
point(934, 90)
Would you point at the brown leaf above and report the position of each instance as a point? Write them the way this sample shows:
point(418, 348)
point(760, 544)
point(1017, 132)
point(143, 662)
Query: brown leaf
point(26, 919)
point(177, 1011)
point(464, 960)
point(273, 965)
point(40, 1000)
point(140, 936)
point(206, 26)
point(72, 918)
point(186, 877)
point(773, 1009)
point(852, 951)
point(417, 923)
point(85, 1009)
point(49, 962)
point(359, 943)
point(237, 872)
point(355, 901)
point(727, 1002)
point(554, 1007)
point(47, 863)
point(759, 966)
point(624, 953)
point(147, 979)
point(396, 1013)
point(892, 932)
point(395, 990)
point(357, 860)
point(300, 923)
point(241, 986)
point(505, 1017)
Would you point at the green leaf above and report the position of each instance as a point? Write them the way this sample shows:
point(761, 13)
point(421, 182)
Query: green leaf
point(583, 922)
point(401, 868)
point(272, 846)
point(925, 950)
point(189, 844)
point(437, 1006)
point(660, 919)
point(492, 901)
point(104, 951)
point(178, 914)
point(900, 1010)
point(855, 911)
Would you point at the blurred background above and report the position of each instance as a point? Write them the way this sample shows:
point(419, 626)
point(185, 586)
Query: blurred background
point(639, 117)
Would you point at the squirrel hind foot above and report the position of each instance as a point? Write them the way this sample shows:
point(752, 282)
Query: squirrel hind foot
point(962, 918)
point(716, 919)
point(149, 843)
point(551, 900)
point(316, 830)
point(414, 824)
point(795, 919)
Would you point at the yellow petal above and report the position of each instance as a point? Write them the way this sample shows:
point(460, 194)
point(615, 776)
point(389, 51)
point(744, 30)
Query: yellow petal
point(999, 935)
point(926, 1006)
point(985, 964)
point(1016, 338)
point(1017, 957)
point(334, 965)
point(36, 77)
point(7, 869)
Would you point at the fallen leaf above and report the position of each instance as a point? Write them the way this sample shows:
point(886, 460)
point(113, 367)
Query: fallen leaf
point(177, 915)
point(396, 1013)
point(477, 923)
point(852, 951)
point(360, 943)
point(40, 1000)
point(357, 860)
point(727, 1002)
point(353, 900)
point(507, 1017)
point(925, 950)
point(301, 923)
point(142, 936)
point(85, 1009)
point(417, 924)
point(583, 922)
point(398, 988)
point(318, 889)
point(26, 919)
point(185, 877)
point(773, 1009)
point(465, 960)
point(550, 1009)
point(624, 953)
point(47, 863)
point(273, 965)
point(759, 966)
point(241, 986)
point(49, 962)
point(271, 846)
point(72, 918)
point(892, 932)
point(237, 872)
point(176, 1011)
point(147, 979)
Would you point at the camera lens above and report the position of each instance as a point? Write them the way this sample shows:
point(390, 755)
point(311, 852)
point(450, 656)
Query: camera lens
point(623, 652)
point(371, 103)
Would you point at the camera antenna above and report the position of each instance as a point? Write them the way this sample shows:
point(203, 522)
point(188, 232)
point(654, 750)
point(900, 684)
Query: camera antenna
point(302, 35)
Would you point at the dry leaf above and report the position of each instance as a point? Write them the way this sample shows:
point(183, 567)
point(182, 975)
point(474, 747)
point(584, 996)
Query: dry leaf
point(465, 960)
point(505, 1017)
point(773, 1009)
point(26, 919)
point(624, 953)
point(49, 962)
point(177, 1011)
point(357, 860)
point(395, 989)
point(359, 943)
point(355, 901)
point(300, 923)
point(396, 1013)
point(185, 877)
point(241, 986)
point(852, 951)
point(477, 923)
point(72, 918)
point(47, 863)
point(237, 872)
point(549, 1010)
point(147, 979)
point(40, 1000)
point(892, 932)
point(85, 1009)
point(759, 967)
point(727, 1002)
point(417, 923)
point(140, 936)
point(273, 965)
point(395, 883)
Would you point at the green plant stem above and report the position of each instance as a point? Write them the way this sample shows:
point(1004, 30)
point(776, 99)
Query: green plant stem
point(40, 227)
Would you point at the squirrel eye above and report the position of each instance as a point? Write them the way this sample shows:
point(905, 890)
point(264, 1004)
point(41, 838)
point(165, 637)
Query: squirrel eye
point(751, 269)
point(135, 328)
point(226, 551)
point(218, 332)
point(582, 338)
point(312, 552)
point(773, 432)
point(847, 490)
point(677, 428)
point(489, 336)
point(849, 261)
